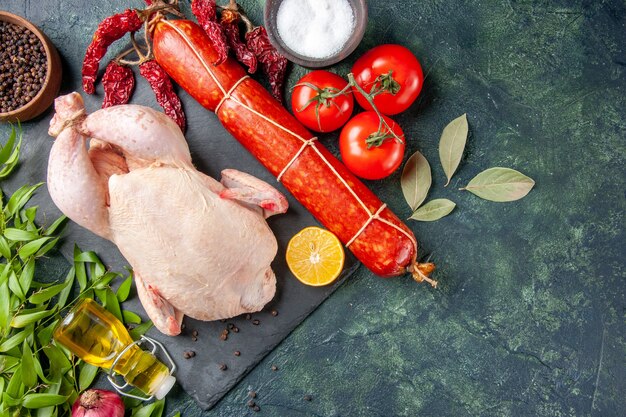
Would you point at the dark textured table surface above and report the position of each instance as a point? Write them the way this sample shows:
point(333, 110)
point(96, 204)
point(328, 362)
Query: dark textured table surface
point(530, 315)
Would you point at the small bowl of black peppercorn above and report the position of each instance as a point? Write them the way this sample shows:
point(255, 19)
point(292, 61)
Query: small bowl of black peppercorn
point(30, 69)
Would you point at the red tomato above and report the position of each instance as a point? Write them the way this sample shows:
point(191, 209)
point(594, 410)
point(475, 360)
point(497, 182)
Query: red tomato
point(405, 70)
point(315, 104)
point(366, 160)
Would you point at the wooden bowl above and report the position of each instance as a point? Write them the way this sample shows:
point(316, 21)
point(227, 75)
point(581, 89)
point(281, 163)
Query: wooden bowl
point(359, 7)
point(51, 84)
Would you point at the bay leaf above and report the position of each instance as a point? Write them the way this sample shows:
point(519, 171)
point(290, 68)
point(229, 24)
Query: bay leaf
point(416, 180)
point(433, 210)
point(500, 184)
point(452, 144)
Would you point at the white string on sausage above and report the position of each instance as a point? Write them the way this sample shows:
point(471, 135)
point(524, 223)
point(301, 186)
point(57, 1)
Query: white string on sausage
point(227, 95)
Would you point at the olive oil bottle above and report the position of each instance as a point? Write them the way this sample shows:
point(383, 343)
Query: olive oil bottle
point(99, 338)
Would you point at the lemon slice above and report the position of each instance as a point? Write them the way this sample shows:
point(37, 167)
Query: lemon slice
point(315, 256)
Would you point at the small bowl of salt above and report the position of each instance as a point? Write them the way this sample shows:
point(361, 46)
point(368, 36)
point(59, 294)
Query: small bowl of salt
point(315, 33)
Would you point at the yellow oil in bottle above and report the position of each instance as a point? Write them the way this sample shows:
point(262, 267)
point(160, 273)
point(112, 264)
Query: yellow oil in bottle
point(98, 337)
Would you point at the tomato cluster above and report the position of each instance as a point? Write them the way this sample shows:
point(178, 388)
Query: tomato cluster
point(386, 80)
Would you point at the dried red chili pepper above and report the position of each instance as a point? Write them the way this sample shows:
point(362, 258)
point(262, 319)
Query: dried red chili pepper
point(118, 82)
point(230, 25)
point(164, 91)
point(206, 13)
point(273, 63)
point(109, 30)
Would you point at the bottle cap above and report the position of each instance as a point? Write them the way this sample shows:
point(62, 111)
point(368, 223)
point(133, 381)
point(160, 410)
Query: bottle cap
point(165, 387)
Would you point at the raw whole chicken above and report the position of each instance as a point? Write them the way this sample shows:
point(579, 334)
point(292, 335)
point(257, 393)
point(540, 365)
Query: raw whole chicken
point(197, 247)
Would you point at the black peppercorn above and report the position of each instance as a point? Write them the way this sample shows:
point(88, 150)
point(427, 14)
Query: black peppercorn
point(23, 66)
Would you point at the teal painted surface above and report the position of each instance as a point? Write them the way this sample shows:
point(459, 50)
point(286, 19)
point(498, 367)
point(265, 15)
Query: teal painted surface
point(529, 318)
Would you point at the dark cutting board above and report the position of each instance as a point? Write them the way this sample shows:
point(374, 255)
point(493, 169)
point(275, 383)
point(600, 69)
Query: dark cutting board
point(212, 149)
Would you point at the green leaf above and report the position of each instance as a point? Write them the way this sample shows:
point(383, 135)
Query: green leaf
point(7, 149)
point(29, 215)
point(29, 376)
point(69, 281)
point(58, 223)
point(130, 317)
point(54, 388)
point(39, 370)
point(133, 403)
point(88, 256)
point(433, 210)
point(13, 341)
point(15, 383)
point(58, 361)
point(14, 285)
point(87, 374)
point(20, 197)
point(42, 400)
point(46, 412)
point(19, 235)
point(416, 180)
point(79, 266)
point(47, 293)
point(6, 269)
point(47, 247)
point(44, 334)
point(140, 330)
point(113, 305)
point(5, 306)
point(500, 184)
point(5, 249)
point(11, 163)
point(7, 363)
point(97, 269)
point(32, 247)
point(23, 320)
point(104, 280)
point(124, 289)
point(145, 411)
point(10, 401)
point(26, 277)
point(101, 295)
point(452, 144)
point(158, 408)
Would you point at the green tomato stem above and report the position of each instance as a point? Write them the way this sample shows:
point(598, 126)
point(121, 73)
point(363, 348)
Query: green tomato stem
point(370, 100)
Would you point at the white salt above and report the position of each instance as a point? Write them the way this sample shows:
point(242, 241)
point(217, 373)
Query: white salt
point(315, 28)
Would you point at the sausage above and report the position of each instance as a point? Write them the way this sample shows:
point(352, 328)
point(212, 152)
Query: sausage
point(318, 180)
